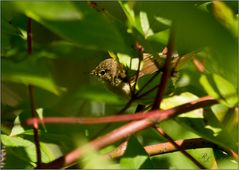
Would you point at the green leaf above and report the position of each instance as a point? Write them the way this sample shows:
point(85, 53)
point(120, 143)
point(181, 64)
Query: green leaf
point(225, 118)
point(93, 160)
point(29, 72)
point(134, 22)
point(160, 37)
point(135, 156)
point(129, 62)
point(177, 160)
point(224, 161)
point(10, 33)
point(17, 128)
point(220, 89)
point(145, 24)
point(164, 21)
point(181, 99)
point(98, 93)
point(223, 64)
point(213, 129)
point(18, 145)
point(226, 16)
point(188, 21)
point(129, 13)
point(75, 22)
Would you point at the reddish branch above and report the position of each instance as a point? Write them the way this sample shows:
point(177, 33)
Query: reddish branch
point(233, 154)
point(110, 119)
point(86, 120)
point(166, 72)
point(199, 65)
point(140, 51)
point(167, 147)
point(161, 88)
point(31, 95)
point(124, 131)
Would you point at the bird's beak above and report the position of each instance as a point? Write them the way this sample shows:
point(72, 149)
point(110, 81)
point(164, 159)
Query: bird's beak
point(93, 72)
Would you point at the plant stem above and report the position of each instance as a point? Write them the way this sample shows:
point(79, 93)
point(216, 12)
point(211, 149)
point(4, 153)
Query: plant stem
point(31, 95)
point(166, 71)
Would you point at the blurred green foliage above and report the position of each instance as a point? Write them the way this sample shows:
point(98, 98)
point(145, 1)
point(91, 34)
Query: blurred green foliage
point(70, 38)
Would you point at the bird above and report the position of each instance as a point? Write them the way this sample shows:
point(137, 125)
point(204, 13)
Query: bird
point(114, 74)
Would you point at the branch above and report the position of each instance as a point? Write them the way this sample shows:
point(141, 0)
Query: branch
point(140, 50)
point(199, 65)
point(31, 95)
point(124, 131)
point(138, 95)
point(167, 147)
point(166, 71)
point(118, 118)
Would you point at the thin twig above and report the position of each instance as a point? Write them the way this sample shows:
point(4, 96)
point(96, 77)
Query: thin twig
point(233, 154)
point(128, 104)
point(147, 92)
point(199, 65)
point(31, 95)
point(138, 95)
point(140, 56)
point(164, 134)
point(166, 71)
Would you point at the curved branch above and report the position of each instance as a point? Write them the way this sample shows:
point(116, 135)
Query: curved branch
point(167, 147)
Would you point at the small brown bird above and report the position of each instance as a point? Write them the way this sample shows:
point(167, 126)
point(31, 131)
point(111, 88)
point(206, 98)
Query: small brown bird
point(113, 73)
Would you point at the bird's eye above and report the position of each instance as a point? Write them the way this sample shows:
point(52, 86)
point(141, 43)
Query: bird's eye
point(102, 72)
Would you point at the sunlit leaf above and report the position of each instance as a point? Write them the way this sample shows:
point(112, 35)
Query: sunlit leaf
point(177, 160)
point(129, 13)
point(212, 130)
point(17, 129)
point(145, 24)
point(225, 15)
point(195, 120)
point(129, 62)
point(220, 88)
point(160, 37)
point(181, 99)
point(18, 144)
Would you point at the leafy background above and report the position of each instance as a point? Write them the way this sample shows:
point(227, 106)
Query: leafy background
point(71, 38)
